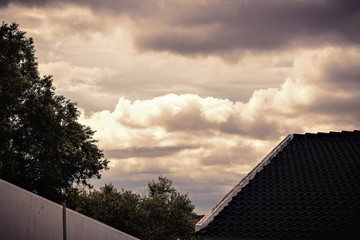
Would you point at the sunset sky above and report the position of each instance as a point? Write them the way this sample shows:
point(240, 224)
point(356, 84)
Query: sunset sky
point(197, 90)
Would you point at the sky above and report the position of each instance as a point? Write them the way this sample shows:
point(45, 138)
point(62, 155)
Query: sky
point(198, 91)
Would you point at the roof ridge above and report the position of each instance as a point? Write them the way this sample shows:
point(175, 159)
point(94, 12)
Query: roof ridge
point(331, 133)
point(228, 197)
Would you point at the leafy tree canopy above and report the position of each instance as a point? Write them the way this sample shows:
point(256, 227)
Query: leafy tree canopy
point(42, 146)
point(162, 213)
point(169, 212)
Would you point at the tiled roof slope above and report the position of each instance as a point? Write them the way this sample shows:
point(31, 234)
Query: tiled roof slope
point(310, 189)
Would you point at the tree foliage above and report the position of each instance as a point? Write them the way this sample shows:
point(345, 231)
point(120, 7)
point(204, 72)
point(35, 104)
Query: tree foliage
point(42, 146)
point(162, 213)
point(167, 210)
point(119, 209)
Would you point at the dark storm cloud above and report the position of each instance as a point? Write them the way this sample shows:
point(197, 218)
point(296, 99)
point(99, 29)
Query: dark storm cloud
point(106, 4)
point(258, 26)
point(231, 26)
point(28, 3)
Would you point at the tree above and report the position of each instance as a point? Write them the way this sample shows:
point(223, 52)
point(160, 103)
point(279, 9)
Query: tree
point(169, 212)
point(119, 209)
point(42, 146)
point(161, 213)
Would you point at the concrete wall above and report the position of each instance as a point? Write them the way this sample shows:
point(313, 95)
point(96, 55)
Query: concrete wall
point(27, 216)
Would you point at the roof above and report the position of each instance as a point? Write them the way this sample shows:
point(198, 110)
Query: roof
point(308, 186)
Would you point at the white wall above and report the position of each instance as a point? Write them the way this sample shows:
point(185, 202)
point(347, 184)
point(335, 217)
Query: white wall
point(27, 216)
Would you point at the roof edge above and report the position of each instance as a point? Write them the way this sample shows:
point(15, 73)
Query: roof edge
point(228, 197)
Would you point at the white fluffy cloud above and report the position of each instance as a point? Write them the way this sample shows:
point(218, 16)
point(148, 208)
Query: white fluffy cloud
point(206, 141)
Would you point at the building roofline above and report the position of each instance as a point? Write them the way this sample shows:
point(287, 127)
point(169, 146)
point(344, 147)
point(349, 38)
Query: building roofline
point(228, 197)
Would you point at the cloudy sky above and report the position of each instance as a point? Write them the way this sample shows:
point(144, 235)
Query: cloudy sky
point(197, 90)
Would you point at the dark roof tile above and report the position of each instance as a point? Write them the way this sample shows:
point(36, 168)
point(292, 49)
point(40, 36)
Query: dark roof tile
point(309, 189)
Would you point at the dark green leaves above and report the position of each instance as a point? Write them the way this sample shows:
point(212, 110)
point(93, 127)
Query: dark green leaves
point(160, 214)
point(42, 146)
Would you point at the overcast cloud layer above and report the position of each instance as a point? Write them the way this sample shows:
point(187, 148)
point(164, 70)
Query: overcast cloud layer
point(225, 27)
point(199, 91)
